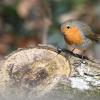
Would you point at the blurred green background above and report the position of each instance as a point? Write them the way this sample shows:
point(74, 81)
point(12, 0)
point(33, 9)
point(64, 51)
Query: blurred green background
point(26, 23)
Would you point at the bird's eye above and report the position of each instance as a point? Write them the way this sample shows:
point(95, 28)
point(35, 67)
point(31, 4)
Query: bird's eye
point(68, 27)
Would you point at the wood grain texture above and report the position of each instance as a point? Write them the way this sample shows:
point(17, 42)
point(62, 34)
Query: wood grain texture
point(36, 70)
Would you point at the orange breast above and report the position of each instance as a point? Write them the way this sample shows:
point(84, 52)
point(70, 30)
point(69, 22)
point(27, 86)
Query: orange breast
point(72, 36)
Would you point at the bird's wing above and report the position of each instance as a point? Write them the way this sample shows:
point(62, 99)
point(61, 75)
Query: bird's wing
point(88, 32)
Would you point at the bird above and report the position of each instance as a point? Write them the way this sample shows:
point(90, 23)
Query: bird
point(78, 35)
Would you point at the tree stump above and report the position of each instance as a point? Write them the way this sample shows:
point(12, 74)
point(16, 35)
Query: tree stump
point(33, 70)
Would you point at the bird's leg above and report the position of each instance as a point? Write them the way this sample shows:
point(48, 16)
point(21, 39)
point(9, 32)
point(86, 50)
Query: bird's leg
point(73, 50)
point(79, 52)
point(76, 51)
point(83, 54)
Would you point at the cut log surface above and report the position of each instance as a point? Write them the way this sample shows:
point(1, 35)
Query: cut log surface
point(38, 70)
point(35, 70)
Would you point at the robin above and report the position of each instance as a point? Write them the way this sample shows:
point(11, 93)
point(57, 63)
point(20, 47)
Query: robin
point(78, 34)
